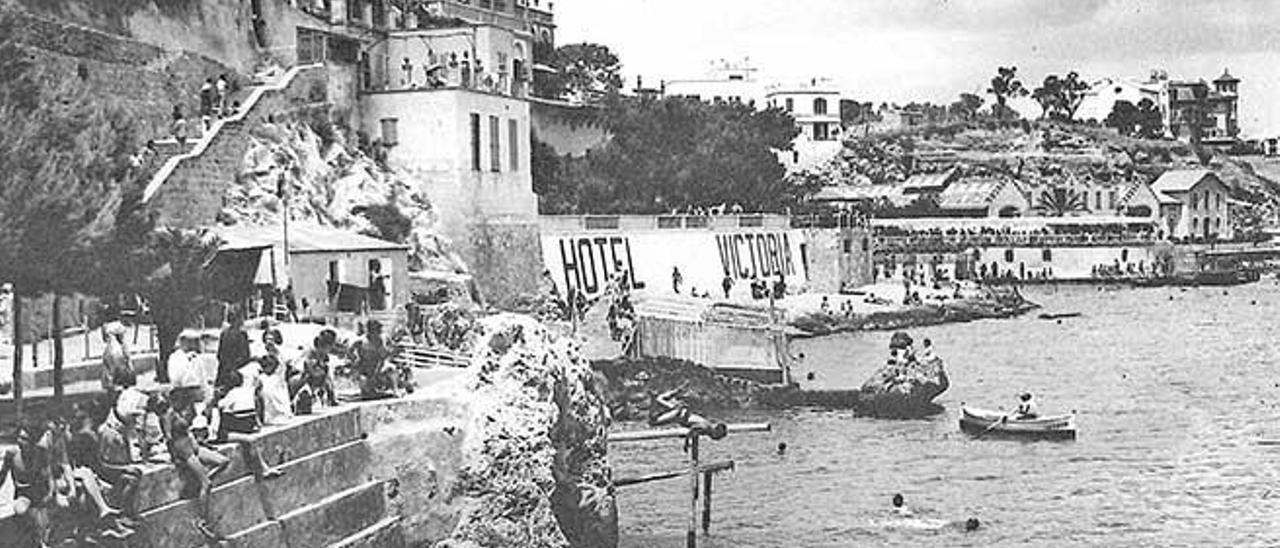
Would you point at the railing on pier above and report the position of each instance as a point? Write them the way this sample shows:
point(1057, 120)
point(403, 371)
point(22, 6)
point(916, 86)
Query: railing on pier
point(695, 470)
point(426, 357)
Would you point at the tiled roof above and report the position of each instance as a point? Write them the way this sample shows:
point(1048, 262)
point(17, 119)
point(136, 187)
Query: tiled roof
point(930, 181)
point(970, 194)
point(1180, 180)
point(303, 238)
point(853, 193)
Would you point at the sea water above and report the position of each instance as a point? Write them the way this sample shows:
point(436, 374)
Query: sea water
point(1173, 391)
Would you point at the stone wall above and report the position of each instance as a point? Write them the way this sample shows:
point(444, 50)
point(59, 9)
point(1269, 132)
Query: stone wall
point(838, 258)
point(193, 193)
point(143, 80)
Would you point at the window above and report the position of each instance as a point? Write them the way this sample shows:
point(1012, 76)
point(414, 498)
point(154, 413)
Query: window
point(866, 244)
point(848, 245)
point(1219, 200)
point(1111, 200)
point(791, 104)
point(819, 106)
point(475, 142)
point(513, 135)
point(1046, 255)
point(389, 134)
point(1097, 200)
point(820, 132)
point(495, 145)
point(1195, 201)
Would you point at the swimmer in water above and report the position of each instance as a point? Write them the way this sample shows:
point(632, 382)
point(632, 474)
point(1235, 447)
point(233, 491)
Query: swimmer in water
point(900, 506)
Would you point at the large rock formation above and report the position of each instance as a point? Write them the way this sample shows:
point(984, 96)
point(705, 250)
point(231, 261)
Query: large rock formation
point(904, 388)
point(534, 469)
point(333, 183)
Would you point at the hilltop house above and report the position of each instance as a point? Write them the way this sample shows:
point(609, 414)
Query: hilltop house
point(815, 105)
point(1218, 106)
point(1193, 204)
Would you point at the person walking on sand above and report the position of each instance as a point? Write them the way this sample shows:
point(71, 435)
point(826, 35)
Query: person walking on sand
point(676, 280)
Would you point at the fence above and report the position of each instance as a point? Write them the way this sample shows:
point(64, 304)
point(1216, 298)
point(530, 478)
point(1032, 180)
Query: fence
point(425, 357)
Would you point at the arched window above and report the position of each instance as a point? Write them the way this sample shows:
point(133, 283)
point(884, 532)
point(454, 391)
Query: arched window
point(819, 106)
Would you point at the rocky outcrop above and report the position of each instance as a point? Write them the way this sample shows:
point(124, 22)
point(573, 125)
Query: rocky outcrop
point(967, 310)
point(904, 390)
point(534, 470)
point(330, 182)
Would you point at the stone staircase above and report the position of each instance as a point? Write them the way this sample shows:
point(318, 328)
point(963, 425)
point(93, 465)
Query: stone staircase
point(326, 497)
point(189, 186)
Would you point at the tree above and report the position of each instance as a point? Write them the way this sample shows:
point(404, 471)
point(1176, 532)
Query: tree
point(1142, 120)
point(1005, 85)
point(587, 71)
point(177, 286)
point(389, 223)
point(1058, 202)
point(1123, 117)
point(63, 171)
point(674, 153)
point(966, 107)
point(1060, 97)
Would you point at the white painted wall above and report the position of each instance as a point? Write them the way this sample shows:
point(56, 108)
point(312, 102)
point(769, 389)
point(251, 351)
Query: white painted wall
point(434, 143)
point(587, 259)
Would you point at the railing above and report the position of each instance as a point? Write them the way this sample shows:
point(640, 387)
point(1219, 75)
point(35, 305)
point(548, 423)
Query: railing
point(424, 357)
point(575, 223)
point(960, 242)
point(207, 138)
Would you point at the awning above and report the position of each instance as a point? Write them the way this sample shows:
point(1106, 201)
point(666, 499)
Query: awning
point(234, 274)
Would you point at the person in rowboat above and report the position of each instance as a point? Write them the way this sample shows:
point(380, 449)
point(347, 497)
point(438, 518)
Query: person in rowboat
point(1026, 408)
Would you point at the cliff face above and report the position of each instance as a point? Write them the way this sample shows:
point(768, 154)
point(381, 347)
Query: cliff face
point(330, 182)
point(534, 470)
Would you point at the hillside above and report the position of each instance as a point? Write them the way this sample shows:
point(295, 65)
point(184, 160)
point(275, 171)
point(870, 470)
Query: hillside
point(1038, 154)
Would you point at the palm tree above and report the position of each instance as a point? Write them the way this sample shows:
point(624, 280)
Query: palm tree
point(1058, 202)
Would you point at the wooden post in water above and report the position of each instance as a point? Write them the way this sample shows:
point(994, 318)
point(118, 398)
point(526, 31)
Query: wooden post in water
point(691, 538)
point(706, 501)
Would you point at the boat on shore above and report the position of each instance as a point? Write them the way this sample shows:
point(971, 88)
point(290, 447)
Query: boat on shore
point(985, 422)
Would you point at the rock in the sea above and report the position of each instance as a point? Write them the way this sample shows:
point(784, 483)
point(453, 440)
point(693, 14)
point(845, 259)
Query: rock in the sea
point(904, 390)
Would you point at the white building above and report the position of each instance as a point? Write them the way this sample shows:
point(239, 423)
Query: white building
point(725, 81)
point(1194, 204)
point(815, 105)
point(1103, 95)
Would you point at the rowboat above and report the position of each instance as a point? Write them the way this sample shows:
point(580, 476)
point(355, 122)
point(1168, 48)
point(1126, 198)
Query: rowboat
point(985, 422)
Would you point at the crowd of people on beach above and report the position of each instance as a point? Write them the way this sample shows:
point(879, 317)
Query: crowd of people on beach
point(77, 472)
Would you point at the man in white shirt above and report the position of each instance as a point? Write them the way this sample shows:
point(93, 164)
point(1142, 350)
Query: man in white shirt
point(185, 370)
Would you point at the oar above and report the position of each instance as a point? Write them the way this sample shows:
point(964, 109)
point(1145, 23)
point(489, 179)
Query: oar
point(994, 425)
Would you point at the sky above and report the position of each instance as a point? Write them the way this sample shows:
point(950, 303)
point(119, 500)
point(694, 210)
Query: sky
point(932, 50)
